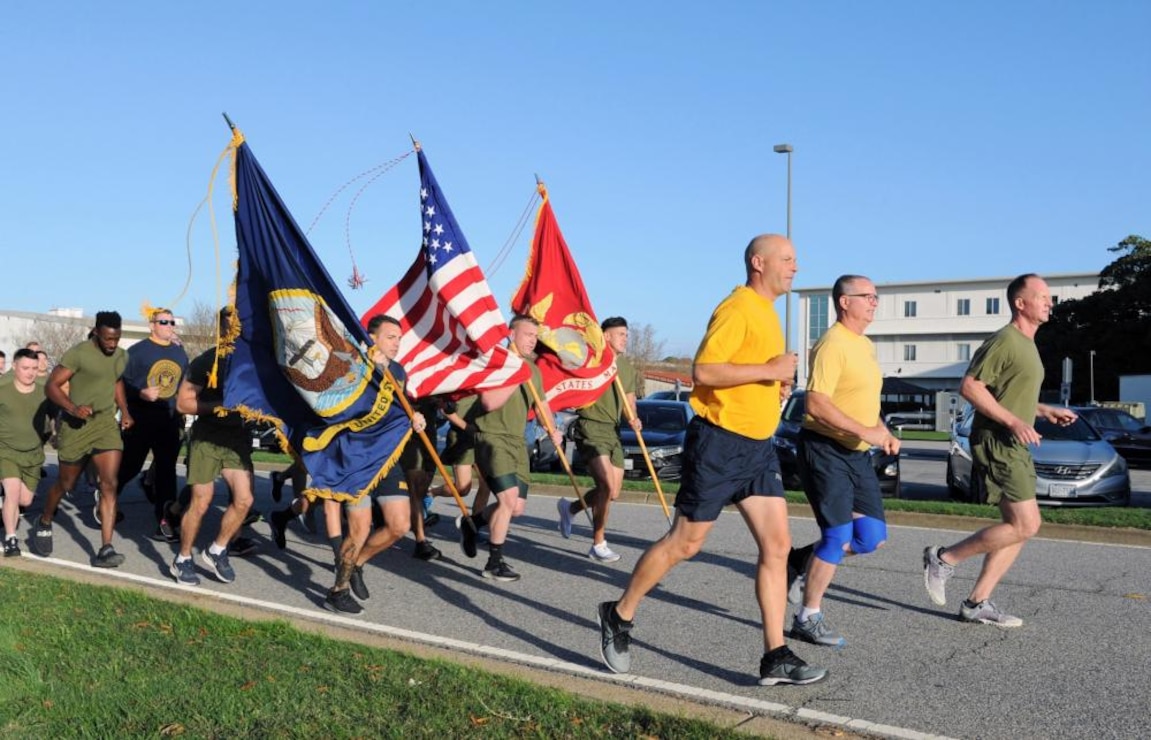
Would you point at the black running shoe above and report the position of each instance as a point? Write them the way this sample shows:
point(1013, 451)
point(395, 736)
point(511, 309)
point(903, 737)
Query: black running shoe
point(342, 602)
point(278, 522)
point(107, 558)
point(783, 666)
point(426, 551)
point(11, 547)
point(500, 571)
point(468, 534)
point(242, 546)
point(359, 588)
point(40, 540)
point(252, 517)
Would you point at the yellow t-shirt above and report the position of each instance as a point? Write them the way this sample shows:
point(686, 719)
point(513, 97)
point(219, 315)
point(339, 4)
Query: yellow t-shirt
point(844, 368)
point(743, 330)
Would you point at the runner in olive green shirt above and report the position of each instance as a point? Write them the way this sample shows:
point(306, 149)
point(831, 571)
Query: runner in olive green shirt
point(23, 424)
point(1002, 384)
point(501, 453)
point(596, 434)
point(88, 429)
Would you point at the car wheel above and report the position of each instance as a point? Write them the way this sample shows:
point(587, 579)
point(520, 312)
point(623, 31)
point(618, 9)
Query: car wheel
point(953, 489)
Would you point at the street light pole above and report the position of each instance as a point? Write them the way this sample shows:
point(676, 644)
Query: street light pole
point(1091, 358)
point(787, 149)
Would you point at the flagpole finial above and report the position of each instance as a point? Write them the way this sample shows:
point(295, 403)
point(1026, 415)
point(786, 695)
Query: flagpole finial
point(229, 121)
point(541, 188)
point(415, 143)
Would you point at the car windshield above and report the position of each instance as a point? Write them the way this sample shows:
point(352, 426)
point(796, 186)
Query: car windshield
point(1076, 432)
point(793, 410)
point(1114, 420)
point(660, 417)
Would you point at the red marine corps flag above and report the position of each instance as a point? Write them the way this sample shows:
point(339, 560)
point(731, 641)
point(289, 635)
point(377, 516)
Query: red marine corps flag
point(575, 361)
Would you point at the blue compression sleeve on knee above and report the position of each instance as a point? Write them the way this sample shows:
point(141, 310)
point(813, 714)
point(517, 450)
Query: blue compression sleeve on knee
point(870, 533)
point(830, 547)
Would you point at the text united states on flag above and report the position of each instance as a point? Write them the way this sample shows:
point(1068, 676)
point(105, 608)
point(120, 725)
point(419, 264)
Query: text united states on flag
point(452, 325)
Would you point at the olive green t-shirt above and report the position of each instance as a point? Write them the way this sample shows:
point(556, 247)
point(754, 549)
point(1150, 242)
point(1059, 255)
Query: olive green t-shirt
point(1008, 363)
point(510, 420)
point(609, 406)
point(94, 375)
point(224, 430)
point(23, 417)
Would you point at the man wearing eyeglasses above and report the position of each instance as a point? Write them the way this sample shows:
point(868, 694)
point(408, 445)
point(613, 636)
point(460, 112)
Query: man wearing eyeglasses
point(841, 424)
point(155, 368)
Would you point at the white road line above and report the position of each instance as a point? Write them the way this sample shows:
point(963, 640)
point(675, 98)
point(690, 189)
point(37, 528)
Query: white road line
point(692, 693)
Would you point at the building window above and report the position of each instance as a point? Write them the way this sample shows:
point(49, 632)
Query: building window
point(963, 307)
point(909, 353)
point(964, 352)
point(817, 310)
point(909, 309)
point(1054, 300)
point(992, 306)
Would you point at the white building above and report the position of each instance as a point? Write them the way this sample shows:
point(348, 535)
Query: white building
point(925, 332)
point(58, 329)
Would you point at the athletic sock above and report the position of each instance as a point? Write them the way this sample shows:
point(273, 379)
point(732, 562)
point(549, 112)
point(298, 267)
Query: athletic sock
point(215, 549)
point(336, 543)
point(970, 604)
point(479, 519)
point(806, 613)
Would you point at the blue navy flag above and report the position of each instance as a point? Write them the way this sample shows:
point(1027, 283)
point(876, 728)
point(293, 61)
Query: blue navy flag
point(300, 358)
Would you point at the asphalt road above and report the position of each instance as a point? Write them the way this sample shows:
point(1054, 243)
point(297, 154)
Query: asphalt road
point(1079, 667)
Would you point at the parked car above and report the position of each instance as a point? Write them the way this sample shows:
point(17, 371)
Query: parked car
point(1130, 437)
point(683, 394)
point(263, 436)
point(1074, 466)
point(886, 466)
point(542, 455)
point(664, 430)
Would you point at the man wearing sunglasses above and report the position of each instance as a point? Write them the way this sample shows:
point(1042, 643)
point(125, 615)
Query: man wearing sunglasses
point(841, 424)
point(155, 368)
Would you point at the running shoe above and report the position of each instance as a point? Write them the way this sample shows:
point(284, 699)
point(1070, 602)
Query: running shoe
point(783, 666)
point(342, 602)
point(601, 553)
point(563, 507)
point(359, 588)
point(935, 575)
point(986, 612)
point(500, 571)
point(614, 638)
point(220, 565)
point(814, 629)
point(184, 571)
point(107, 558)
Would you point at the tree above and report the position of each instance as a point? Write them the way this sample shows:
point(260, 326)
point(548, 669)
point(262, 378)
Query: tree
point(198, 333)
point(58, 334)
point(643, 349)
point(1114, 322)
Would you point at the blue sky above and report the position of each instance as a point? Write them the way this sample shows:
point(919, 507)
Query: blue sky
point(931, 140)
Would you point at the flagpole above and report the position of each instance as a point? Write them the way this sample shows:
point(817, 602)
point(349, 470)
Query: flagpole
point(449, 482)
point(539, 404)
point(630, 414)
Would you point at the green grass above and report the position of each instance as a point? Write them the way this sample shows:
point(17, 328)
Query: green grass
point(89, 661)
point(1105, 516)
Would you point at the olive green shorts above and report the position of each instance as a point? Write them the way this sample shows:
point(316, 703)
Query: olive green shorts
point(206, 459)
point(79, 438)
point(1004, 465)
point(460, 448)
point(415, 455)
point(596, 439)
point(390, 488)
point(22, 464)
point(503, 461)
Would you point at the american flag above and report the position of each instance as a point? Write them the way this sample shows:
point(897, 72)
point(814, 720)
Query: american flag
point(452, 325)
